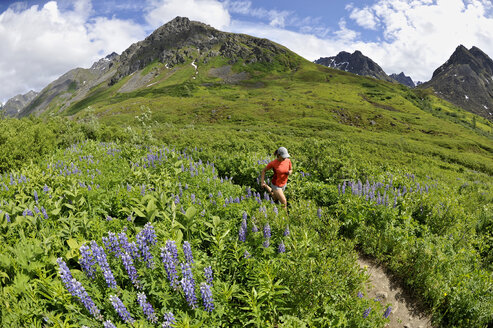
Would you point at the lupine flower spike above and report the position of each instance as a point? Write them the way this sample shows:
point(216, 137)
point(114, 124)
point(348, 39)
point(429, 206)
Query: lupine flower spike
point(187, 250)
point(169, 320)
point(146, 307)
point(205, 291)
point(387, 312)
point(121, 309)
point(188, 285)
point(76, 289)
point(282, 248)
point(208, 275)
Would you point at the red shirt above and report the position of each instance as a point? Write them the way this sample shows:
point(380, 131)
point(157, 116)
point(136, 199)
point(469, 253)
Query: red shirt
point(281, 169)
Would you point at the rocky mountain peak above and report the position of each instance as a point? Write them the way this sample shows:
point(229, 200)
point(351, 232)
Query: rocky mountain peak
point(461, 56)
point(403, 79)
point(15, 104)
point(466, 80)
point(182, 39)
point(105, 63)
point(356, 63)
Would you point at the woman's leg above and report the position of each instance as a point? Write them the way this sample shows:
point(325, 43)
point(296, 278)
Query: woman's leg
point(279, 195)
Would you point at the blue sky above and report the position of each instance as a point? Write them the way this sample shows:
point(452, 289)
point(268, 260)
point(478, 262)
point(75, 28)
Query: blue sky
point(41, 40)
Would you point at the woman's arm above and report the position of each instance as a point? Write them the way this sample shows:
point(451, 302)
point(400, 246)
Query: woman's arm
point(262, 177)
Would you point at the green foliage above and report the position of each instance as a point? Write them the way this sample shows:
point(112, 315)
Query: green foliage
point(339, 129)
point(91, 189)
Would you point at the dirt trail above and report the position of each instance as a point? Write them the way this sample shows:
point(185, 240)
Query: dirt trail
point(405, 310)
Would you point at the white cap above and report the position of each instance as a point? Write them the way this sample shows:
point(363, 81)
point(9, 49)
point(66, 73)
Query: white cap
point(283, 152)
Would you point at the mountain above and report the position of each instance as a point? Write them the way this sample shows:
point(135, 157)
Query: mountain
point(403, 79)
point(356, 63)
point(15, 104)
point(157, 58)
point(466, 80)
point(181, 39)
point(70, 87)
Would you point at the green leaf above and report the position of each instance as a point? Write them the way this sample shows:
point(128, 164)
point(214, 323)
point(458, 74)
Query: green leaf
point(178, 236)
point(72, 243)
point(191, 212)
point(139, 213)
point(72, 207)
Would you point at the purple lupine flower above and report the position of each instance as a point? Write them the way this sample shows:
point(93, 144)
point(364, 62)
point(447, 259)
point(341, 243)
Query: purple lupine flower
point(254, 227)
point(245, 215)
point(36, 196)
point(187, 250)
point(65, 274)
point(242, 234)
point(319, 213)
point(27, 212)
point(85, 299)
point(367, 312)
point(171, 247)
point(108, 324)
point(169, 266)
point(43, 211)
point(129, 187)
point(281, 248)
point(121, 309)
point(149, 234)
point(177, 199)
point(267, 232)
point(76, 289)
point(286, 231)
point(146, 307)
point(130, 248)
point(100, 256)
point(387, 312)
point(188, 285)
point(208, 274)
point(7, 217)
point(266, 243)
point(112, 244)
point(130, 268)
point(246, 255)
point(276, 211)
point(360, 294)
point(205, 291)
point(145, 238)
point(169, 320)
point(87, 261)
point(46, 189)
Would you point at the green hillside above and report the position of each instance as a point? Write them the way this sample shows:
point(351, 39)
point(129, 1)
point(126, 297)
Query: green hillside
point(309, 101)
point(379, 169)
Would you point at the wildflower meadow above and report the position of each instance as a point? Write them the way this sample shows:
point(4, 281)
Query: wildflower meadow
point(116, 235)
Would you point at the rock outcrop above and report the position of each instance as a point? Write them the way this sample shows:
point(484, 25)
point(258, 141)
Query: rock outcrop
point(356, 63)
point(466, 80)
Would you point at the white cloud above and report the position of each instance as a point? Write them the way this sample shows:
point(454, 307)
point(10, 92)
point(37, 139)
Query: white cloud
point(276, 18)
point(364, 17)
point(414, 36)
point(210, 12)
point(420, 35)
point(306, 45)
point(44, 42)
